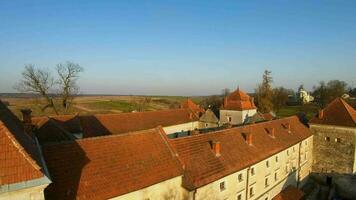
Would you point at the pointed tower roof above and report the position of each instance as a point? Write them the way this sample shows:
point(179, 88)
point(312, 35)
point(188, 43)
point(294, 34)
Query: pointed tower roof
point(189, 104)
point(338, 113)
point(238, 100)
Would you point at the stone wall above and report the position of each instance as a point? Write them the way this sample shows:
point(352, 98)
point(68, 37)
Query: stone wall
point(334, 149)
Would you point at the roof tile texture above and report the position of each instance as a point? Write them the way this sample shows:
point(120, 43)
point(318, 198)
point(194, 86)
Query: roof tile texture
point(337, 113)
point(19, 156)
point(238, 100)
point(203, 167)
point(109, 166)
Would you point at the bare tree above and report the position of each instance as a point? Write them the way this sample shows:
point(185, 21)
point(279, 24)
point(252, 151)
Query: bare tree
point(68, 73)
point(38, 81)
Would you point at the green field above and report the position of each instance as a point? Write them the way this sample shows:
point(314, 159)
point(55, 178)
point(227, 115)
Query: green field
point(310, 110)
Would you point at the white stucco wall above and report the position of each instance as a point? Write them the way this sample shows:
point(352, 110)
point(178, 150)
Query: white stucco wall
point(169, 189)
point(287, 168)
point(237, 117)
point(32, 193)
point(181, 127)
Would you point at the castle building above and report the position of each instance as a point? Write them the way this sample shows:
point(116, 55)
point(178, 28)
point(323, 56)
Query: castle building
point(227, 164)
point(236, 108)
point(334, 130)
point(230, 163)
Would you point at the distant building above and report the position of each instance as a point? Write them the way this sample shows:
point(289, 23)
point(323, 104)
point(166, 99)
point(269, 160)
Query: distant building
point(22, 170)
point(334, 130)
point(208, 120)
point(236, 107)
point(304, 96)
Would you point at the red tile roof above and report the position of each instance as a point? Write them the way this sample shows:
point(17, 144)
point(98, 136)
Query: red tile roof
point(203, 167)
point(104, 124)
point(189, 104)
point(289, 193)
point(337, 113)
point(110, 166)
point(238, 100)
point(267, 116)
point(19, 156)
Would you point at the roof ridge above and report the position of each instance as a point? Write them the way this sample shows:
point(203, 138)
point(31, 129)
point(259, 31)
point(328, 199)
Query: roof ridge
point(18, 146)
point(238, 127)
point(100, 137)
point(350, 110)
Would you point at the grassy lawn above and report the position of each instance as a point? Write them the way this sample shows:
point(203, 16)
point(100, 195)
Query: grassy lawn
point(310, 110)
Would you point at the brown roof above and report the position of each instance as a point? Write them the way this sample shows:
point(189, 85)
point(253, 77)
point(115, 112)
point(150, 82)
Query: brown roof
point(209, 117)
point(289, 193)
point(238, 100)
point(109, 166)
point(338, 113)
point(105, 124)
point(203, 167)
point(19, 156)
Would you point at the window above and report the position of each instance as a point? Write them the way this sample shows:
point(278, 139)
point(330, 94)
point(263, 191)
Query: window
point(276, 158)
point(229, 119)
point(222, 186)
point(338, 140)
point(287, 168)
point(206, 124)
point(252, 192)
point(293, 149)
point(275, 176)
point(266, 198)
point(239, 197)
point(252, 171)
point(240, 177)
point(266, 182)
point(327, 139)
point(287, 152)
point(306, 142)
point(267, 164)
point(305, 156)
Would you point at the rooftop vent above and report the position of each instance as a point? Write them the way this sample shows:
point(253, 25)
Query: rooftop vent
point(286, 126)
point(270, 132)
point(216, 146)
point(321, 114)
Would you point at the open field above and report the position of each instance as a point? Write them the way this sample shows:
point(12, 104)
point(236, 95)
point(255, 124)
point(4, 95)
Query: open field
point(98, 104)
point(310, 110)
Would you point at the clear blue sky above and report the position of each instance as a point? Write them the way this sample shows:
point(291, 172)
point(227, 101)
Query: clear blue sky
point(180, 47)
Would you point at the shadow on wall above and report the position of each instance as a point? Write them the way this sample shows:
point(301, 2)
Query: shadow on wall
point(287, 189)
point(62, 165)
point(336, 185)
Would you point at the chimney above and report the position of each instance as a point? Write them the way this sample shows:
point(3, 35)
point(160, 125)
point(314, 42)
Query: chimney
point(190, 115)
point(216, 148)
point(195, 132)
point(321, 114)
point(248, 138)
point(271, 132)
point(27, 121)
